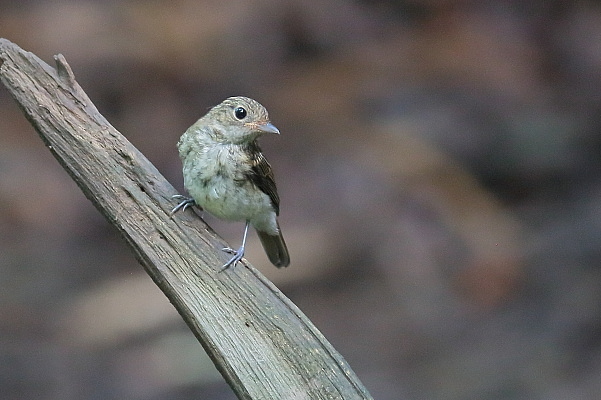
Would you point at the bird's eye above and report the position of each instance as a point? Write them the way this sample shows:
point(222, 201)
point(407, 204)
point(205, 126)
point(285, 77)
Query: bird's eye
point(240, 113)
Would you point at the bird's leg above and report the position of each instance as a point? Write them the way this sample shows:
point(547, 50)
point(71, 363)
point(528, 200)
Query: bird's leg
point(183, 204)
point(238, 254)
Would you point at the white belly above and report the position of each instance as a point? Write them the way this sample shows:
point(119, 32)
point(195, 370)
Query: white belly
point(217, 187)
point(227, 200)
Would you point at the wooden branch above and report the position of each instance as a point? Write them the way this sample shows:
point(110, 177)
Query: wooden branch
point(262, 344)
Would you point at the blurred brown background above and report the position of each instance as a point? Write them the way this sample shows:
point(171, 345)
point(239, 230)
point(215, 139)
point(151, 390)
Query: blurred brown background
point(438, 169)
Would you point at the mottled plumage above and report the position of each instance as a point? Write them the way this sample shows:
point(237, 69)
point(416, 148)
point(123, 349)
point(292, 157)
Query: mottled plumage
point(227, 175)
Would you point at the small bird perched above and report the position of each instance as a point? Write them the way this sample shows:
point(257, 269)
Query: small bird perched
point(227, 175)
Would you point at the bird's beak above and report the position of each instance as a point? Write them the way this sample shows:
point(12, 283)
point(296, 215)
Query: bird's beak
point(268, 127)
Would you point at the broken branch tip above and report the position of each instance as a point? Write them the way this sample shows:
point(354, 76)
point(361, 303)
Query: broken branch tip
point(65, 72)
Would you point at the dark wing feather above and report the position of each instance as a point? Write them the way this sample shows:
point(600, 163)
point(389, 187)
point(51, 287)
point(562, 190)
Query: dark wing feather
point(261, 175)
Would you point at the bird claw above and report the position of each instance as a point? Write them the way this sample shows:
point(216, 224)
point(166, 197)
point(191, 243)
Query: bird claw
point(238, 255)
point(183, 204)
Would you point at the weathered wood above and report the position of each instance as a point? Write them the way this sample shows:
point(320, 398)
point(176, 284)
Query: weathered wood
point(263, 345)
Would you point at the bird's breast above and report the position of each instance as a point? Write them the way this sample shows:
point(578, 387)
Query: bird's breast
point(217, 179)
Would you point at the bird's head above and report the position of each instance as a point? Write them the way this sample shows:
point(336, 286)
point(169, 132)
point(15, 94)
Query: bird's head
point(240, 120)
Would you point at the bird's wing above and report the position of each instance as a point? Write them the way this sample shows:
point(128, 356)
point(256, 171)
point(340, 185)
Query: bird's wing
point(261, 175)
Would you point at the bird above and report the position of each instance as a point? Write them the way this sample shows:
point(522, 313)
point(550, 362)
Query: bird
point(227, 175)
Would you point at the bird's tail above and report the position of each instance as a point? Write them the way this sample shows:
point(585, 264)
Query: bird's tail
point(275, 247)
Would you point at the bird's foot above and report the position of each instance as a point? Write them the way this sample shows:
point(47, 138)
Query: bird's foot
point(238, 254)
point(183, 204)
